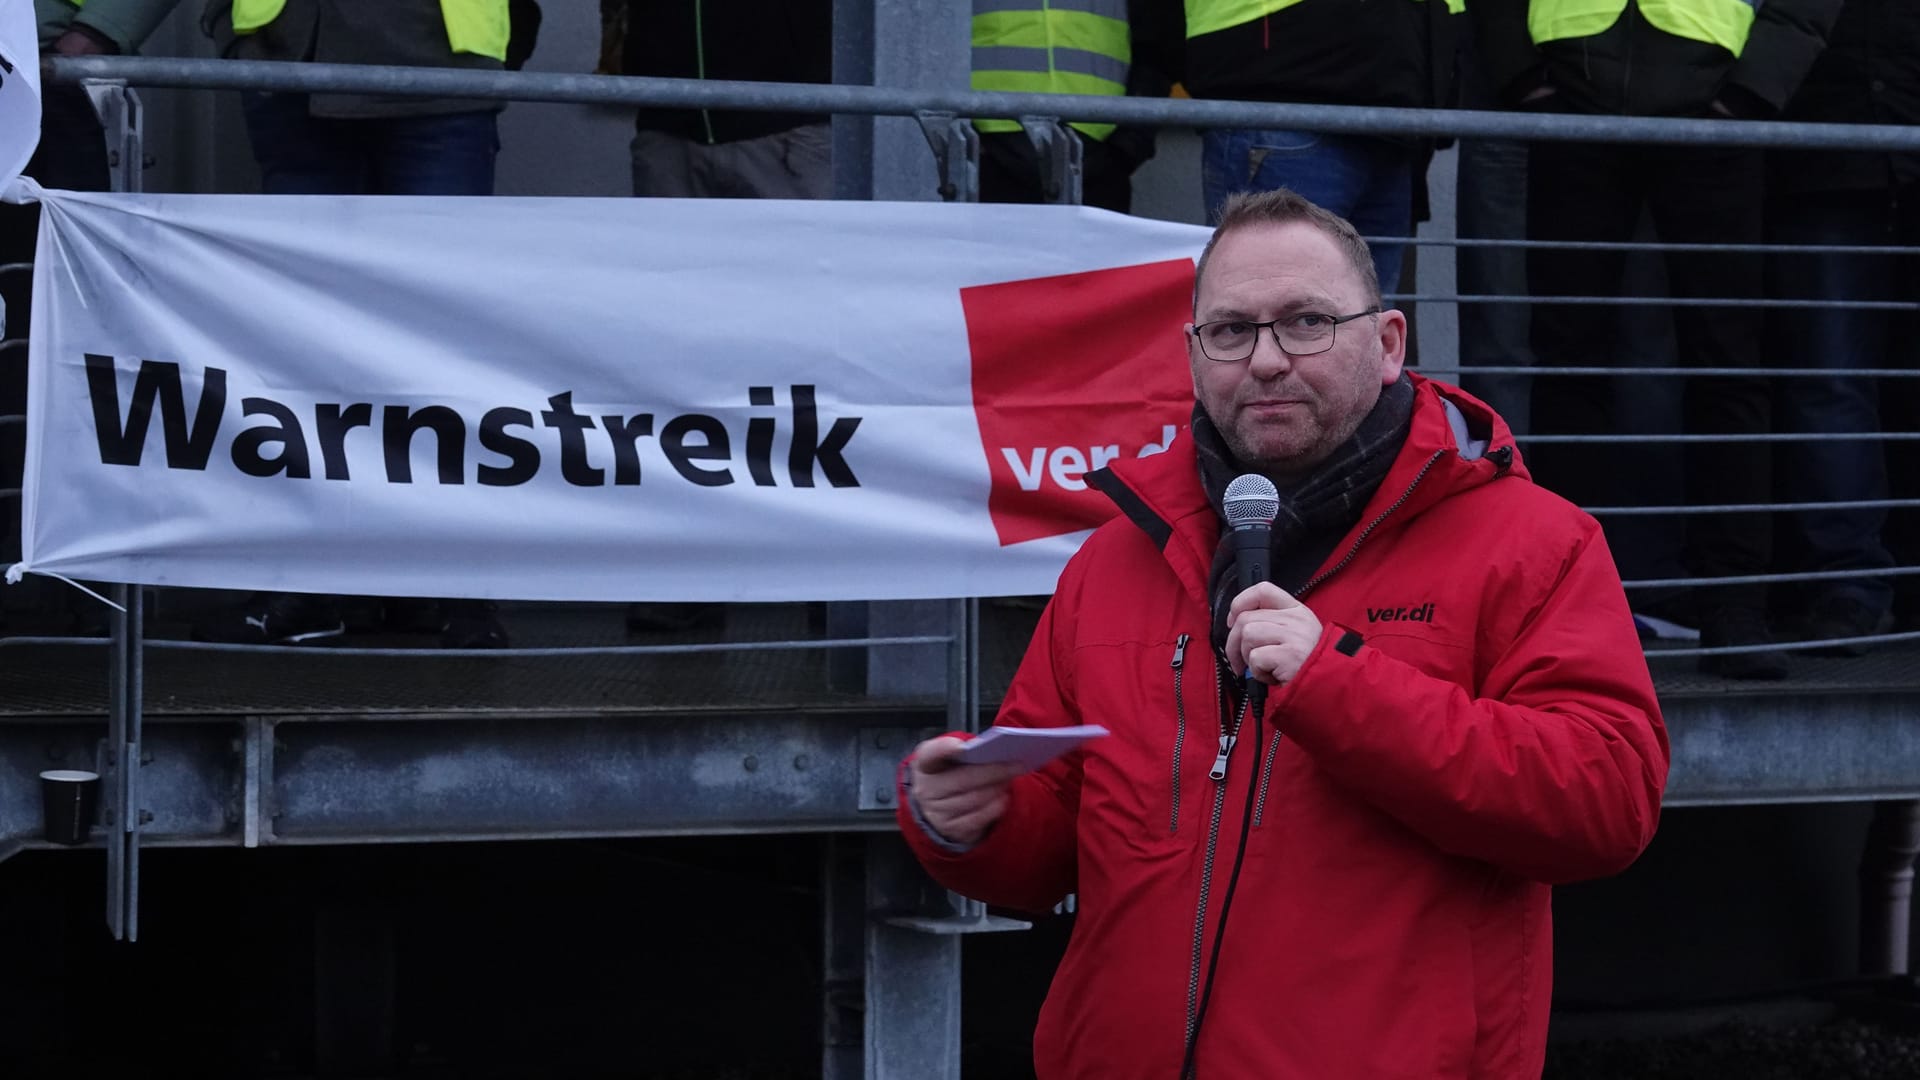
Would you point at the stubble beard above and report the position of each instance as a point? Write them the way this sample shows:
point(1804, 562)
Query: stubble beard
point(1281, 455)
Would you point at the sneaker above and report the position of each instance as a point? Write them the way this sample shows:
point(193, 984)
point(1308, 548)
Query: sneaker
point(471, 624)
point(273, 619)
point(1735, 626)
point(1842, 617)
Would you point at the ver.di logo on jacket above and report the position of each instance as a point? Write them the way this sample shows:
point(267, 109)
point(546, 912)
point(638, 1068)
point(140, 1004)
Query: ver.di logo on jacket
point(1417, 613)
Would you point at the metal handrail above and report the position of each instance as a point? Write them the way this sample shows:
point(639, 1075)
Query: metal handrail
point(517, 652)
point(1769, 579)
point(1766, 303)
point(1648, 245)
point(552, 87)
point(1725, 437)
point(1609, 372)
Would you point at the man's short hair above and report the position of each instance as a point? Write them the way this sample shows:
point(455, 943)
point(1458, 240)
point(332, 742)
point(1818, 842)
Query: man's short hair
point(1282, 206)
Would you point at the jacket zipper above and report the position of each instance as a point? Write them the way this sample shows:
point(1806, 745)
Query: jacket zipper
point(1231, 736)
point(700, 62)
point(1371, 525)
point(1266, 777)
point(1180, 726)
point(1218, 773)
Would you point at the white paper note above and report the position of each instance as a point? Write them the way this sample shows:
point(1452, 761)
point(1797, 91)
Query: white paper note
point(1032, 747)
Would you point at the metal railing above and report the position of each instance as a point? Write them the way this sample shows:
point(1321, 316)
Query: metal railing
point(941, 115)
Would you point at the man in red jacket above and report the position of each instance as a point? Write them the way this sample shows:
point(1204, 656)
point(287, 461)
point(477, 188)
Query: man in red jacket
point(1353, 880)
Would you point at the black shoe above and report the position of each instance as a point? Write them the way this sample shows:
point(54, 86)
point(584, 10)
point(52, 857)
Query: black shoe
point(273, 619)
point(674, 618)
point(1842, 617)
point(471, 624)
point(1737, 626)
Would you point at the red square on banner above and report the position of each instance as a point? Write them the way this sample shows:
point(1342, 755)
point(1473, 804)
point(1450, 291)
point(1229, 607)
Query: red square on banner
point(1070, 372)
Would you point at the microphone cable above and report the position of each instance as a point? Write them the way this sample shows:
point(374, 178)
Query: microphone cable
point(1256, 704)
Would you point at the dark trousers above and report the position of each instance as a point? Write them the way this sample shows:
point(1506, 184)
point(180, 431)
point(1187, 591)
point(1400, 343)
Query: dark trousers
point(302, 154)
point(1840, 340)
point(1010, 172)
point(1580, 191)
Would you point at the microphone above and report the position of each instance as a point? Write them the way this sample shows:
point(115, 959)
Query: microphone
point(1251, 504)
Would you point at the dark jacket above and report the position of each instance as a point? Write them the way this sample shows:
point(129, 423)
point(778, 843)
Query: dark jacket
point(757, 40)
point(1635, 69)
point(1328, 52)
point(1476, 723)
point(1869, 74)
point(399, 33)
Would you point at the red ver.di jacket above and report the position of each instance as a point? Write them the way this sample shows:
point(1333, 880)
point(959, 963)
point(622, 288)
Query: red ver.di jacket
point(1476, 723)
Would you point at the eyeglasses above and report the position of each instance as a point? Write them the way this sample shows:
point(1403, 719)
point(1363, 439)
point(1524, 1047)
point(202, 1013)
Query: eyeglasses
point(1305, 334)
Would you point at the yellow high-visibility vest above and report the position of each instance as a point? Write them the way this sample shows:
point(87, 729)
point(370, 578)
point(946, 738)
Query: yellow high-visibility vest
point(479, 27)
point(1207, 16)
point(1051, 47)
point(1725, 23)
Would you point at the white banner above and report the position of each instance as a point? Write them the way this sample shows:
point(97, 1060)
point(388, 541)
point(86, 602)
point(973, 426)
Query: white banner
point(590, 399)
point(19, 87)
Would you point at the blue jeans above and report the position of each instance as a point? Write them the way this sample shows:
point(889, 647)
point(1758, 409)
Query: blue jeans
point(303, 154)
point(1367, 181)
point(1837, 339)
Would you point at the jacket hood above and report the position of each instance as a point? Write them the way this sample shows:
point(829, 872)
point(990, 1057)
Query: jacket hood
point(1455, 442)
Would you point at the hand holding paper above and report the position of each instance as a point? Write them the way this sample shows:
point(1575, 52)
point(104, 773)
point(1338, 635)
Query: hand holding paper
point(960, 786)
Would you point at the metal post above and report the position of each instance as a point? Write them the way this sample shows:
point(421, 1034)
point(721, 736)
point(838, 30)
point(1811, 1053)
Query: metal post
point(121, 116)
point(912, 977)
point(1059, 153)
point(121, 761)
point(843, 907)
point(899, 45)
point(963, 665)
point(124, 119)
point(1886, 886)
point(853, 66)
point(896, 45)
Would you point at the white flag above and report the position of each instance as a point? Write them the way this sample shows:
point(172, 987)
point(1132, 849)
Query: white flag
point(19, 87)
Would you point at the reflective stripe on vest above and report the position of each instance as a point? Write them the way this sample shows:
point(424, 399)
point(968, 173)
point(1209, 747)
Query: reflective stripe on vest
point(479, 27)
point(1051, 47)
point(1725, 23)
point(1207, 16)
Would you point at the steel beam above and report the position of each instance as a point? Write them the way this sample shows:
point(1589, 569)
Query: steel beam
point(1804, 745)
point(265, 780)
point(262, 781)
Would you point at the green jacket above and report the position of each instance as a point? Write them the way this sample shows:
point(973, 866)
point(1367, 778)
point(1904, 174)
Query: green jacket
point(126, 23)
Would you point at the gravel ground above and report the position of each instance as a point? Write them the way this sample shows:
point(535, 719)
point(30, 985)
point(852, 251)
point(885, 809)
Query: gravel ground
point(1742, 1050)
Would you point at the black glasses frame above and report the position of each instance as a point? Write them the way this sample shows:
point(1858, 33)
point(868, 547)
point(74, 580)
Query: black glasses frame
point(1272, 327)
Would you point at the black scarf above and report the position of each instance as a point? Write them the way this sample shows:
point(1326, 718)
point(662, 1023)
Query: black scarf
point(1314, 512)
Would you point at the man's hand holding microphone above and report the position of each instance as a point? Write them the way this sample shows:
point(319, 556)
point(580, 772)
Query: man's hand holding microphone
point(1270, 634)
